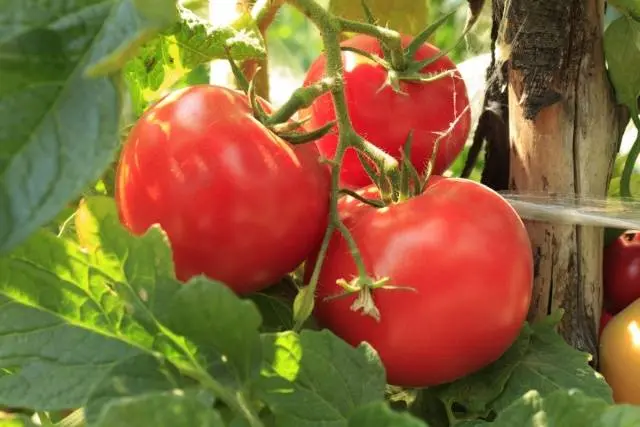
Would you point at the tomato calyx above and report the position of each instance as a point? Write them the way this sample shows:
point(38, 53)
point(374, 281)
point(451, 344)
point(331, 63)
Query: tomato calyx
point(364, 287)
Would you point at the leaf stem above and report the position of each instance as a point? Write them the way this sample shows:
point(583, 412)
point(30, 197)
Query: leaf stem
point(390, 38)
point(301, 98)
point(632, 157)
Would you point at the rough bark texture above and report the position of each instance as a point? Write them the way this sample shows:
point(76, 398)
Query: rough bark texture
point(564, 134)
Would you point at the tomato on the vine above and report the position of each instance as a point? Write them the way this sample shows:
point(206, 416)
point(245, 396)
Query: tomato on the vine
point(621, 275)
point(238, 203)
point(385, 117)
point(467, 257)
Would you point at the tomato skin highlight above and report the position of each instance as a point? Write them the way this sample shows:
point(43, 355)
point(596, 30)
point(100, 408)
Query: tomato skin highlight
point(468, 257)
point(385, 117)
point(620, 354)
point(238, 203)
point(621, 275)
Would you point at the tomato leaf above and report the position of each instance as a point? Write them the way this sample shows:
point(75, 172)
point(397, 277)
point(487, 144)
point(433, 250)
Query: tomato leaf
point(57, 276)
point(169, 409)
point(140, 269)
point(199, 41)
point(551, 364)
point(630, 7)
point(222, 326)
point(164, 62)
point(277, 314)
point(622, 52)
point(566, 408)
point(10, 420)
point(137, 22)
point(379, 414)
point(315, 379)
point(137, 375)
point(55, 137)
point(59, 362)
point(539, 360)
point(476, 391)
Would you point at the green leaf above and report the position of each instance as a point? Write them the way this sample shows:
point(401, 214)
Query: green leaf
point(59, 362)
point(222, 326)
point(566, 408)
point(276, 313)
point(379, 414)
point(138, 21)
point(630, 7)
point(11, 420)
point(477, 391)
point(315, 379)
point(539, 360)
point(56, 275)
point(170, 409)
point(150, 72)
point(140, 269)
point(551, 364)
point(405, 16)
point(58, 129)
point(137, 375)
point(199, 41)
point(622, 52)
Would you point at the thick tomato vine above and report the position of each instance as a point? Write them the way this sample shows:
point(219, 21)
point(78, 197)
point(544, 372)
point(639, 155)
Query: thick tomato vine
point(467, 256)
point(386, 117)
point(238, 203)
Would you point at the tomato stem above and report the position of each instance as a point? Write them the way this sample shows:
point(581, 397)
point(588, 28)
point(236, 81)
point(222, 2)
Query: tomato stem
point(330, 27)
point(632, 157)
point(302, 97)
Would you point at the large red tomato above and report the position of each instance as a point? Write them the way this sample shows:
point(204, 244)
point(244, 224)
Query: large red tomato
point(467, 256)
point(621, 278)
point(238, 203)
point(386, 117)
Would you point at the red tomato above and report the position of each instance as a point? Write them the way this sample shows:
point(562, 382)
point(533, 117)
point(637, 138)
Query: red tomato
point(386, 117)
point(621, 278)
point(238, 203)
point(605, 317)
point(467, 255)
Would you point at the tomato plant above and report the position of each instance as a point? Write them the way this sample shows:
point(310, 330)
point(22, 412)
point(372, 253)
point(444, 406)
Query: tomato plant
point(622, 271)
point(170, 247)
point(237, 203)
point(437, 109)
point(470, 271)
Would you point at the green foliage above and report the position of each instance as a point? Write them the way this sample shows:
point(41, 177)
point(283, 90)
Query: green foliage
point(148, 351)
point(93, 317)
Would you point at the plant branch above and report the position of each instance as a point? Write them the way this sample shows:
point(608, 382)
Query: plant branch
point(632, 157)
point(330, 28)
point(264, 11)
point(389, 37)
point(303, 97)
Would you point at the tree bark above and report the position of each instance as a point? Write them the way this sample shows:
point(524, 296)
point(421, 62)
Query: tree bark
point(564, 132)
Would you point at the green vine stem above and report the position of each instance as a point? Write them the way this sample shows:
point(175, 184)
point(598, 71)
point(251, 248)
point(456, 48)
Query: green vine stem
point(330, 28)
point(632, 157)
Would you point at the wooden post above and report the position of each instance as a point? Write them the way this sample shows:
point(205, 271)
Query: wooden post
point(564, 132)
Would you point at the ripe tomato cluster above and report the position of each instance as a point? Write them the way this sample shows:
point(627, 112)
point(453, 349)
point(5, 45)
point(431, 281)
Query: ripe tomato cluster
point(242, 206)
point(620, 321)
